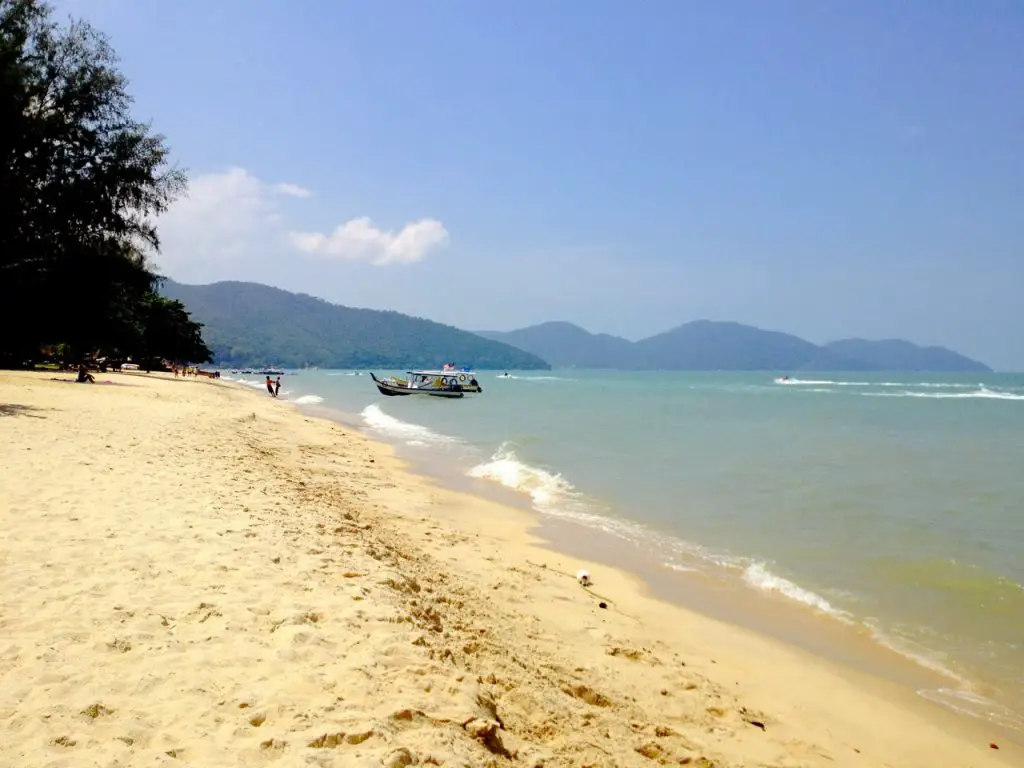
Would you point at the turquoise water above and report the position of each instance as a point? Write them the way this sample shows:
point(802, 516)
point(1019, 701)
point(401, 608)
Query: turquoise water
point(893, 503)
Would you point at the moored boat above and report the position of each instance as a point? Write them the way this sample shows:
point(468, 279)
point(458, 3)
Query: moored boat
point(419, 383)
point(464, 378)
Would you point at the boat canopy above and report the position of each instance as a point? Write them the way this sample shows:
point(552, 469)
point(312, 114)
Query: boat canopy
point(440, 373)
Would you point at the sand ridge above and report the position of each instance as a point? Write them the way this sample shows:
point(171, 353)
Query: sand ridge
point(193, 574)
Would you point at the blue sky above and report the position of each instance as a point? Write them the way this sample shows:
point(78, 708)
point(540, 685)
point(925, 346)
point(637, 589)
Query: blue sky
point(829, 169)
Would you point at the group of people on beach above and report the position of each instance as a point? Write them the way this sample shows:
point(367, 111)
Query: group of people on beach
point(274, 387)
point(188, 370)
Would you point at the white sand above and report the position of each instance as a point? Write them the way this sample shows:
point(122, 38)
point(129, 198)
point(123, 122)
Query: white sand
point(192, 574)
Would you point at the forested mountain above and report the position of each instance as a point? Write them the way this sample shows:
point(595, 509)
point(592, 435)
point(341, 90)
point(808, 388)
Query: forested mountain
point(565, 345)
point(704, 345)
point(253, 324)
point(900, 355)
point(707, 345)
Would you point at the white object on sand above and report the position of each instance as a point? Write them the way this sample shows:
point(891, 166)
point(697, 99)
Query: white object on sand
point(583, 577)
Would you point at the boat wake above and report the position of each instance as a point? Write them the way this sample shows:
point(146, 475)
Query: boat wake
point(513, 377)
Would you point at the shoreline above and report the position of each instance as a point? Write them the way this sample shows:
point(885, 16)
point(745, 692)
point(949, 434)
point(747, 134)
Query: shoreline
point(854, 646)
point(492, 654)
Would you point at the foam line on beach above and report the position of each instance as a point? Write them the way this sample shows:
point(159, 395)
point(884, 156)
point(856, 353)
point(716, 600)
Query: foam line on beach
point(384, 424)
point(308, 400)
point(553, 495)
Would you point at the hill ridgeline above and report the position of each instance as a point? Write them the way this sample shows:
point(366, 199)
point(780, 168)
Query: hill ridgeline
point(249, 324)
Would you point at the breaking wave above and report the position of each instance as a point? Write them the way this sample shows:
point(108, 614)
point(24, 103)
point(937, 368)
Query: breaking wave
point(411, 434)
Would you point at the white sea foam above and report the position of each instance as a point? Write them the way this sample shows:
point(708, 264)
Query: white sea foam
point(681, 568)
point(758, 576)
point(512, 376)
point(898, 641)
point(968, 702)
point(549, 491)
point(816, 382)
point(308, 400)
point(980, 394)
point(552, 494)
point(909, 384)
point(412, 434)
point(252, 383)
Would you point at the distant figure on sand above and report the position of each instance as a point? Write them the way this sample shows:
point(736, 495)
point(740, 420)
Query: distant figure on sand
point(277, 387)
point(84, 377)
point(270, 387)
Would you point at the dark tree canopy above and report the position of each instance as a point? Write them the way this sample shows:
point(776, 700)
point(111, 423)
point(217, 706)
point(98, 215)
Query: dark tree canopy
point(81, 183)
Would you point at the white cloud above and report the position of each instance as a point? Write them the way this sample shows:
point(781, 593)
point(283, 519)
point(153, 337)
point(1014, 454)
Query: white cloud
point(359, 240)
point(292, 190)
point(216, 223)
point(231, 225)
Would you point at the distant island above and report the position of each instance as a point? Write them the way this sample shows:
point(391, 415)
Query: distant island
point(246, 324)
point(705, 345)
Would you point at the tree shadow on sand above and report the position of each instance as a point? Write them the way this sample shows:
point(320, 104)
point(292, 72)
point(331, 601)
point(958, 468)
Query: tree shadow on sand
point(15, 409)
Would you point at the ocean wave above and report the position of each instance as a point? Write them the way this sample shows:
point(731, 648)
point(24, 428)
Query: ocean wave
point(910, 384)
point(899, 641)
point(251, 383)
point(412, 434)
point(967, 702)
point(552, 494)
point(820, 383)
point(758, 576)
point(307, 400)
point(980, 394)
point(549, 491)
point(678, 568)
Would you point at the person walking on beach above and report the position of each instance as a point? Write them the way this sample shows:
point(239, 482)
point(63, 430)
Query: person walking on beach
point(277, 387)
point(270, 387)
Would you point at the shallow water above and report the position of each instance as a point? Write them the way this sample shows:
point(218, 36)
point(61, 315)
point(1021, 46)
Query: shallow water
point(892, 503)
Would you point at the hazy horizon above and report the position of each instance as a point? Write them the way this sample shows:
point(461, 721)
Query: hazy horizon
point(827, 170)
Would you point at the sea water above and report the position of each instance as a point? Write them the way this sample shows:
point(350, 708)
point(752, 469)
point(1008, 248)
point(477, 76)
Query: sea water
point(889, 503)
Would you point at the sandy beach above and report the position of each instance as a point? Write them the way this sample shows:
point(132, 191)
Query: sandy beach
point(196, 574)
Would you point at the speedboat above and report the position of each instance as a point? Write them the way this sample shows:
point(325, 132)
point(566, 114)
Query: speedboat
point(434, 384)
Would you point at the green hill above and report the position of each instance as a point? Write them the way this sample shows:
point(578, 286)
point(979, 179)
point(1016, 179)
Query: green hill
point(251, 324)
point(704, 345)
point(565, 345)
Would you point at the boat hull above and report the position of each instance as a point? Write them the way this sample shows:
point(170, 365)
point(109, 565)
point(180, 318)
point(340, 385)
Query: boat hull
point(392, 390)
